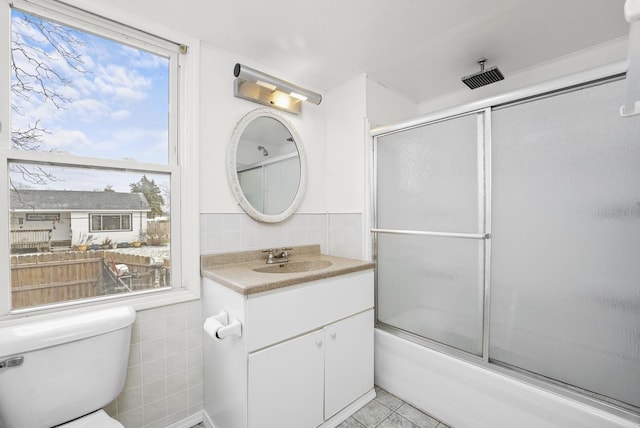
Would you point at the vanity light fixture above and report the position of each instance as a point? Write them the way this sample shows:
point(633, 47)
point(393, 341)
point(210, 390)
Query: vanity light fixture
point(256, 86)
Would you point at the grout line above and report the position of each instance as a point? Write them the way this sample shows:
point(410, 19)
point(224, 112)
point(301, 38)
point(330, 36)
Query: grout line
point(438, 425)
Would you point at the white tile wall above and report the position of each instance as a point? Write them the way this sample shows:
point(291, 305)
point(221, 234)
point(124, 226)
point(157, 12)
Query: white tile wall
point(345, 235)
point(337, 234)
point(165, 378)
point(221, 233)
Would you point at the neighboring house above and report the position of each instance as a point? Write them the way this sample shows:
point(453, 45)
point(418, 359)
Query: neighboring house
point(43, 219)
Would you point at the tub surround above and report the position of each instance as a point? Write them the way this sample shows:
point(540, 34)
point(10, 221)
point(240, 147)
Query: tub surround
point(235, 270)
point(467, 395)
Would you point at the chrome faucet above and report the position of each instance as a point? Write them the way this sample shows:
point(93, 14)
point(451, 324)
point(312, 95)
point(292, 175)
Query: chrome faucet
point(273, 259)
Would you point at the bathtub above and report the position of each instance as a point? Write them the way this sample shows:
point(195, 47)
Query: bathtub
point(464, 395)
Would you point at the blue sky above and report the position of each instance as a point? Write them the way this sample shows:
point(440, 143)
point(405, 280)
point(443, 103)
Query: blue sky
point(118, 107)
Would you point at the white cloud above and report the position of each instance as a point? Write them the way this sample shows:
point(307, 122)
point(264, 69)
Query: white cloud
point(41, 51)
point(70, 92)
point(121, 83)
point(23, 31)
point(120, 114)
point(141, 59)
point(33, 109)
point(88, 109)
point(67, 140)
point(150, 137)
point(84, 85)
point(145, 145)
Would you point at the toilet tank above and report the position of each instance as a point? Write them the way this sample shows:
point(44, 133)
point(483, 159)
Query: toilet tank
point(63, 368)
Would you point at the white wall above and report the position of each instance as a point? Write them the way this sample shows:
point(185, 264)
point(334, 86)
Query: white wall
point(346, 112)
point(385, 106)
point(352, 108)
point(578, 61)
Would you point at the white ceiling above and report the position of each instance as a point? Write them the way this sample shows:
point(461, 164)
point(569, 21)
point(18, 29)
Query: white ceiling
point(419, 48)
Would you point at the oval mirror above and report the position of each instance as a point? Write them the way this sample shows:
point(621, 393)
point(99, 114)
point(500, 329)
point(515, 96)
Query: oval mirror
point(266, 166)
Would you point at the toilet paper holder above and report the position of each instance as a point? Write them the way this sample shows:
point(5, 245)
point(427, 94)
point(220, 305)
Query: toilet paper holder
point(219, 327)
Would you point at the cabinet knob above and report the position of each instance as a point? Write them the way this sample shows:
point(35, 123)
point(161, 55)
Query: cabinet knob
point(319, 342)
point(332, 334)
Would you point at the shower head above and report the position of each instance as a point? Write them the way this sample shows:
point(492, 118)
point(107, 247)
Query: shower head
point(264, 151)
point(483, 77)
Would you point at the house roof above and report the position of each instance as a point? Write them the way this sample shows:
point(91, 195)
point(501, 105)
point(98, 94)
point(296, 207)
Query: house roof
point(67, 200)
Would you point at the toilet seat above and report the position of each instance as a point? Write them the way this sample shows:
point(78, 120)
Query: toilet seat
point(97, 419)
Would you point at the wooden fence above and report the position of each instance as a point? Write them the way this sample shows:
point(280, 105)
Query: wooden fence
point(40, 279)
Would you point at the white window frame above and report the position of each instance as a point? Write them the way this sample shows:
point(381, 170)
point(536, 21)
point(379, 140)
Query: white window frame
point(183, 157)
point(102, 215)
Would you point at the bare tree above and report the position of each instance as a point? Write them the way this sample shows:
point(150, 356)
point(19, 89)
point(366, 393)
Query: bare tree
point(39, 54)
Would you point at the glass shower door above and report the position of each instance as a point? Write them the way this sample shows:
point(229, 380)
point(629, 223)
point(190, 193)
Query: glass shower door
point(565, 289)
point(430, 230)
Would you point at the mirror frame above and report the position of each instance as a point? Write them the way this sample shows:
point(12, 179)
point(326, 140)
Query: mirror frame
point(232, 174)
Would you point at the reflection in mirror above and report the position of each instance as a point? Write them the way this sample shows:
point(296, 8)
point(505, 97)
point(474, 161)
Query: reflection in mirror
point(266, 164)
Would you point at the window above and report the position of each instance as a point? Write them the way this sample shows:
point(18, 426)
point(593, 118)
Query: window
point(113, 222)
point(93, 159)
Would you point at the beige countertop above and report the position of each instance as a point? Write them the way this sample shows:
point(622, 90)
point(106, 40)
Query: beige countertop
point(235, 270)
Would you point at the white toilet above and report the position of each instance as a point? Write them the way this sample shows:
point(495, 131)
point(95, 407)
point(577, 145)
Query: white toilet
point(61, 372)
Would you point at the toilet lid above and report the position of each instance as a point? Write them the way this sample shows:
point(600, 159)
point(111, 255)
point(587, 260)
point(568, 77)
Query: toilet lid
point(98, 419)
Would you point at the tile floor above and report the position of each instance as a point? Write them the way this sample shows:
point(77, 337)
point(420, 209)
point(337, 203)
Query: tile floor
point(386, 411)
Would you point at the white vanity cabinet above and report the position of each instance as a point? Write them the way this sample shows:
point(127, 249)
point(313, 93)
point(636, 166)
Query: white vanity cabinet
point(348, 361)
point(305, 358)
point(314, 376)
point(286, 384)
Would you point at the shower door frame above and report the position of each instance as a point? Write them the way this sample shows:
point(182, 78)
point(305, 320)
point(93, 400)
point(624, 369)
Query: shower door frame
point(483, 141)
point(576, 80)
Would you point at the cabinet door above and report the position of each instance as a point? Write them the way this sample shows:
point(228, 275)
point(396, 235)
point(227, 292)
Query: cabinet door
point(348, 361)
point(286, 384)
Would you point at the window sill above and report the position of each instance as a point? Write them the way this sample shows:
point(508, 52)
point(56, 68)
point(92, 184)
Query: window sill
point(138, 302)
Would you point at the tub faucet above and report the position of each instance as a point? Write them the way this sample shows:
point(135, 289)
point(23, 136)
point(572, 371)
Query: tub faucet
point(273, 259)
